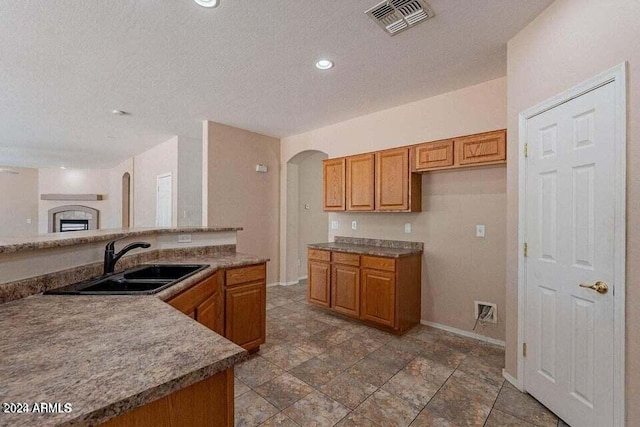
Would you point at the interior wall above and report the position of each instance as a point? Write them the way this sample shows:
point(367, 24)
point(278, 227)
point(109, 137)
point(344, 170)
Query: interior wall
point(19, 203)
point(159, 160)
point(189, 182)
point(293, 193)
point(571, 41)
point(237, 195)
point(115, 193)
point(457, 266)
point(313, 221)
point(74, 181)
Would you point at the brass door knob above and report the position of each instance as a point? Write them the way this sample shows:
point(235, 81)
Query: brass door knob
point(600, 287)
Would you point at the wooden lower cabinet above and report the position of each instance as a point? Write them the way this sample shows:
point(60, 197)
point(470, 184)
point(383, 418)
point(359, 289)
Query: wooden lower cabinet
point(345, 289)
point(379, 296)
point(383, 292)
point(232, 303)
point(204, 302)
point(246, 315)
point(319, 290)
point(208, 403)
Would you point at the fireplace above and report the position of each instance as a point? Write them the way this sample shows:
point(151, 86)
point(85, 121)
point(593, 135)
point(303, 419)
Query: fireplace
point(72, 218)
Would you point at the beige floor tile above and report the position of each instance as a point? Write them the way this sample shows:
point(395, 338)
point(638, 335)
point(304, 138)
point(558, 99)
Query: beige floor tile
point(284, 390)
point(386, 409)
point(315, 372)
point(429, 419)
point(483, 369)
point(393, 358)
point(356, 420)
point(500, 419)
point(279, 420)
point(413, 389)
point(348, 390)
point(461, 409)
point(316, 409)
point(372, 372)
point(521, 405)
point(251, 410)
point(286, 356)
point(256, 371)
point(439, 352)
point(464, 383)
point(239, 387)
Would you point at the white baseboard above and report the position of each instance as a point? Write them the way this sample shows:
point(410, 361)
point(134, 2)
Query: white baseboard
point(514, 382)
point(293, 282)
point(303, 278)
point(463, 333)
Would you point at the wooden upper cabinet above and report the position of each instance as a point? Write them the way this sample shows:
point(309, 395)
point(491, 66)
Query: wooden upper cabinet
point(334, 184)
point(396, 188)
point(360, 182)
point(489, 147)
point(433, 155)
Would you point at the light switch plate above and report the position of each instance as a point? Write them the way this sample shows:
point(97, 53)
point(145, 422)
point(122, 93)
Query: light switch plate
point(354, 225)
point(335, 225)
point(184, 238)
point(407, 228)
point(480, 230)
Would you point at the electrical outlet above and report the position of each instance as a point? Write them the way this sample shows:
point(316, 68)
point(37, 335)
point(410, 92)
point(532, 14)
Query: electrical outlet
point(335, 225)
point(184, 238)
point(299, 262)
point(407, 228)
point(480, 230)
point(354, 225)
point(29, 221)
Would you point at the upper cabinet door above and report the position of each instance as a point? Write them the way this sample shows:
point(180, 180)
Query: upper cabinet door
point(392, 180)
point(360, 182)
point(334, 184)
point(433, 155)
point(489, 147)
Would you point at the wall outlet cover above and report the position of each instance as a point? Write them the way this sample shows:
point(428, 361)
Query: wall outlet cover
point(407, 228)
point(354, 225)
point(480, 230)
point(335, 225)
point(184, 238)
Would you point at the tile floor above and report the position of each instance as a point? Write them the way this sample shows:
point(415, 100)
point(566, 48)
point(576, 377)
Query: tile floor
point(317, 369)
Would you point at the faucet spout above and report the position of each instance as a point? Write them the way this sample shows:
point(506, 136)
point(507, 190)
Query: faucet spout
point(111, 257)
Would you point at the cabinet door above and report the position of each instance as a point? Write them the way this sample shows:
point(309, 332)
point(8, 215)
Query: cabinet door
point(433, 155)
point(319, 283)
point(392, 180)
point(360, 182)
point(211, 313)
point(378, 296)
point(345, 289)
point(245, 317)
point(334, 184)
point(489, 147)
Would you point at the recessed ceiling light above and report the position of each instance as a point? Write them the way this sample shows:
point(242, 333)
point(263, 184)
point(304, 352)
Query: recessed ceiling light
point(63, 167)
point(324, 64)
point(208, 3)
point(119, 112)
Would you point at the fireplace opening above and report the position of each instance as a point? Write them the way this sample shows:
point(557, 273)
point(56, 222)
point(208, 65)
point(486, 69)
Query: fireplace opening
point(73, 225)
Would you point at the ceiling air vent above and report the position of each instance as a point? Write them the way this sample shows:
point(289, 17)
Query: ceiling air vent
point(395, 16)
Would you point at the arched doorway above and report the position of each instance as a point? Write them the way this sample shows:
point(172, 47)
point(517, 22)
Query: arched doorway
point(306, 221)
point(126, 200)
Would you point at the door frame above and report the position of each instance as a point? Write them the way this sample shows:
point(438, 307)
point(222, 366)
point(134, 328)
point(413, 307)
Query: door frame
point(617, 76)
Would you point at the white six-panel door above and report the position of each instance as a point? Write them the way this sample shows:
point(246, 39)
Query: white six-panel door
point(569, 231)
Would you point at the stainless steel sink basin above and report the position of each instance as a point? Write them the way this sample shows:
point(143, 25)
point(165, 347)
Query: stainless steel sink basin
point(139, 281)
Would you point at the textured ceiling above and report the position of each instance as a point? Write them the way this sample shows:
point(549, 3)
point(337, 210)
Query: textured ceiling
point(65, 64)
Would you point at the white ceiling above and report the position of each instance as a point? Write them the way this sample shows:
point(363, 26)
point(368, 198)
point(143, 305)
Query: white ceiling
point(65, 64)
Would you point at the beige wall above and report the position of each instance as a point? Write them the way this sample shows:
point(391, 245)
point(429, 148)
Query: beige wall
point(568, 43)
point(457, 266)
point(189, 182)
point(237, 195)
point(19, 203)
point(313, 221)
point(115, 193)
point(159, 160)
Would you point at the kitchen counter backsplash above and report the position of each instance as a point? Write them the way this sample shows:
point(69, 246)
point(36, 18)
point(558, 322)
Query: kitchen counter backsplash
point(394, 244)
point(34, 285)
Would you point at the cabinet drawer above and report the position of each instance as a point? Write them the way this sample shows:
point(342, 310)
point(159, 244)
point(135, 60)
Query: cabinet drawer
point(433, 155)
point(188, 300)
point(378, 263)
point(253, 273)
point(318, 255)
point(343, 258)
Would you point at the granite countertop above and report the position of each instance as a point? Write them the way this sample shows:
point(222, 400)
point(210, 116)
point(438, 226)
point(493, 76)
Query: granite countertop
point(364, 249)
point(56, 240)
point(108, 354)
